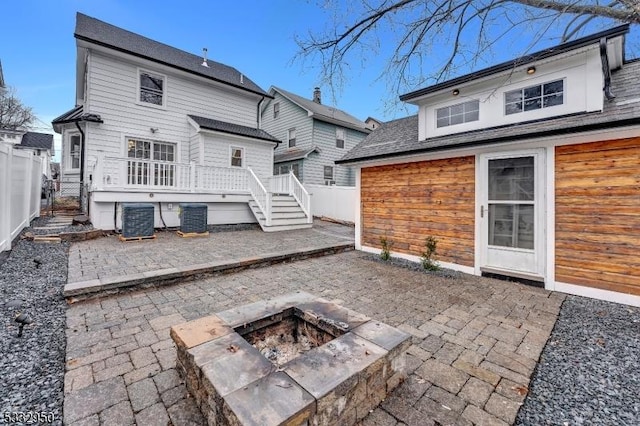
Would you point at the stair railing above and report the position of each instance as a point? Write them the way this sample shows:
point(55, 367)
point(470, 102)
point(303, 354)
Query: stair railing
point(301, 195)
point(261, 196)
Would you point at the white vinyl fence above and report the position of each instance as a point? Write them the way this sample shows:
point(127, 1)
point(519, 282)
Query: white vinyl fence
point(335, 202)
point(20, 189)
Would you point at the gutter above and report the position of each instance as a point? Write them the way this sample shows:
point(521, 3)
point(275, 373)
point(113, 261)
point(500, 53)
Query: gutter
point(606, 70)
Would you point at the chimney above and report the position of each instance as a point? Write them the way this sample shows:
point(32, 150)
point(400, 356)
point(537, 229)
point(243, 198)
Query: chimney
point(317, 98)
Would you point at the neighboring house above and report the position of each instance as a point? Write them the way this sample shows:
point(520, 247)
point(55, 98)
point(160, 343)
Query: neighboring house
point(528, 169)
point(159, 125)
point(40, 143)
point(313, 136)
point(372, 123)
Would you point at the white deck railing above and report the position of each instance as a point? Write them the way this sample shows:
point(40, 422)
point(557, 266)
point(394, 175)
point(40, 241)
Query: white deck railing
point(133, 173)
point(301, 195)
point(261, 196)
point(113, 173)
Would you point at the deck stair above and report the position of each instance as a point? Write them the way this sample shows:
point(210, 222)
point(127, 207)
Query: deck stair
point(282, 207)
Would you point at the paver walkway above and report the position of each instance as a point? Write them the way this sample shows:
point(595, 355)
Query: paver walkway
point(475, 340)
point(110, 257)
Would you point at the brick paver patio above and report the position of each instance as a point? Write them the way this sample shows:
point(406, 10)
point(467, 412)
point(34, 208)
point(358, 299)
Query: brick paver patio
point(474, 347)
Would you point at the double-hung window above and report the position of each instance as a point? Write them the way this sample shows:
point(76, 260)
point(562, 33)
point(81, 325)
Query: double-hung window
point(340, 137)
point(237, 156)
point(534, 97)
point(291, 137)
point(152, 88)
point(151, 163)
point(74, 152)
point(276, 110)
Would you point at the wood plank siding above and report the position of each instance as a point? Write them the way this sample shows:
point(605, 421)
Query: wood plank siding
point(598, 215)
point(408, 202)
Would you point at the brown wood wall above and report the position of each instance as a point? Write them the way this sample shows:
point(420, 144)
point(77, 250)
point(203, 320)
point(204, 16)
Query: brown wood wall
point(598, 215)
point(411, 201)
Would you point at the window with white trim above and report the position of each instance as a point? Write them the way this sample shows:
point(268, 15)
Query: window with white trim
point(283, 169)
point(340, 137)
point(276, 110)
point(464, 112)
point(150, 163)
point(237, 156)
point(534, 97)
point(328, 175)
point(74, 152)
point(291, 137)
point(151, 88)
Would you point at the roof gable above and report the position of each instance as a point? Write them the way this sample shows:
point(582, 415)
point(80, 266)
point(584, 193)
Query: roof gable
point(518, 62)
point(37, 140)
point(323, 112)
point(92, 30)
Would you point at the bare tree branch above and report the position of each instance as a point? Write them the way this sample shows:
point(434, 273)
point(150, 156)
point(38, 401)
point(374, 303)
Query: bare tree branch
point(13, 114)
point(428, 40)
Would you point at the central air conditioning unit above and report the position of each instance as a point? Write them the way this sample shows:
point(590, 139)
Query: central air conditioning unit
point(193, 218)
point(137, 220)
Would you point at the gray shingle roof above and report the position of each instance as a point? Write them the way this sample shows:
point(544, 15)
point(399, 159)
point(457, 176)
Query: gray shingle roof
point(324, 112)
point(400, 137)
point(234, 129)
point(37, 140)
point(294, 154)
point(99, 32)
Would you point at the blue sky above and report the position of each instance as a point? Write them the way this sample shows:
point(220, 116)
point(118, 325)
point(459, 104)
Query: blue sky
point(255, 36)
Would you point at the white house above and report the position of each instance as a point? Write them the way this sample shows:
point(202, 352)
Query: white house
point(313, 137)
point(40, 143)
point(159, 125)
point(529, 169)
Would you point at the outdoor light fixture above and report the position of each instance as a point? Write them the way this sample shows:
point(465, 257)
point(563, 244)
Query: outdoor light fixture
point(22, 319)
point(455, 92)
point(531, 70)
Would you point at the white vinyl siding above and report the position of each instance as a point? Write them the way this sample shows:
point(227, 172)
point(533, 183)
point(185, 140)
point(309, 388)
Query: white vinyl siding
point(291, 116)
point(113, 95)
point(256, 155)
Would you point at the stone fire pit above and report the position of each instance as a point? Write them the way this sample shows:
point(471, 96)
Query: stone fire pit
point(295, 359)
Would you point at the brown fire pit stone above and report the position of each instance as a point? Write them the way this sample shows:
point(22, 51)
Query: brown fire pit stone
point(345, 368)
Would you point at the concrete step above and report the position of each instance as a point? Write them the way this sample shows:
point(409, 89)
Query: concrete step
point(277, 228)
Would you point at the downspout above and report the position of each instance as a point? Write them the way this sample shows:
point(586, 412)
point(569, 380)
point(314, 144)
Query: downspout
point(606, 71)
point(82, 164)
point(259, 115)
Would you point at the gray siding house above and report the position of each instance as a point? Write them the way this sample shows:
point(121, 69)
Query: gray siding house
point(313, 136)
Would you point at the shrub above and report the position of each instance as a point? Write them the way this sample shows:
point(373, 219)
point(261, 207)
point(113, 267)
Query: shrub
point(428, 261)
point(385, 254)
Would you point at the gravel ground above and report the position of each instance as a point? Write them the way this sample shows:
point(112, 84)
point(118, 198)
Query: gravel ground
point(589, 371)
point(32, 366)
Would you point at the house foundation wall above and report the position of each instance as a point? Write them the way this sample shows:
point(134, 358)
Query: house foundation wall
point(406, 203)
point(218, 213)
point(597, 215)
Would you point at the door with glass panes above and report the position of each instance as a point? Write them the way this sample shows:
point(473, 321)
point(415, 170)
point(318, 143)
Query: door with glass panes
point(512, 213)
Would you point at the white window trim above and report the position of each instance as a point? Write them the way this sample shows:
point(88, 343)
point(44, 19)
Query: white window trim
point(542, 107)
point(333, 173)
point(242, 157)
point(344, 137)
point(164, 89)
point(435, 111)
point(67, 153)
point(295, 137)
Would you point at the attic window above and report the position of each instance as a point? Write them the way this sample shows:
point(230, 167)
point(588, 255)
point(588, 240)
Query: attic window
point(151, 88)
point(464, 112)
point(276, 110)
point(534, 97)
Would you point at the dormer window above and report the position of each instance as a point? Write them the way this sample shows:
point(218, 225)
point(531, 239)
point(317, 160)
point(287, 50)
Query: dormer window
point(534, 97)
point(151, 88)
point(464, 112)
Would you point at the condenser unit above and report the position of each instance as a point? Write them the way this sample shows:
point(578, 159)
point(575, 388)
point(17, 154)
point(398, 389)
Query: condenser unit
point(193, 218)
point(137, 220)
